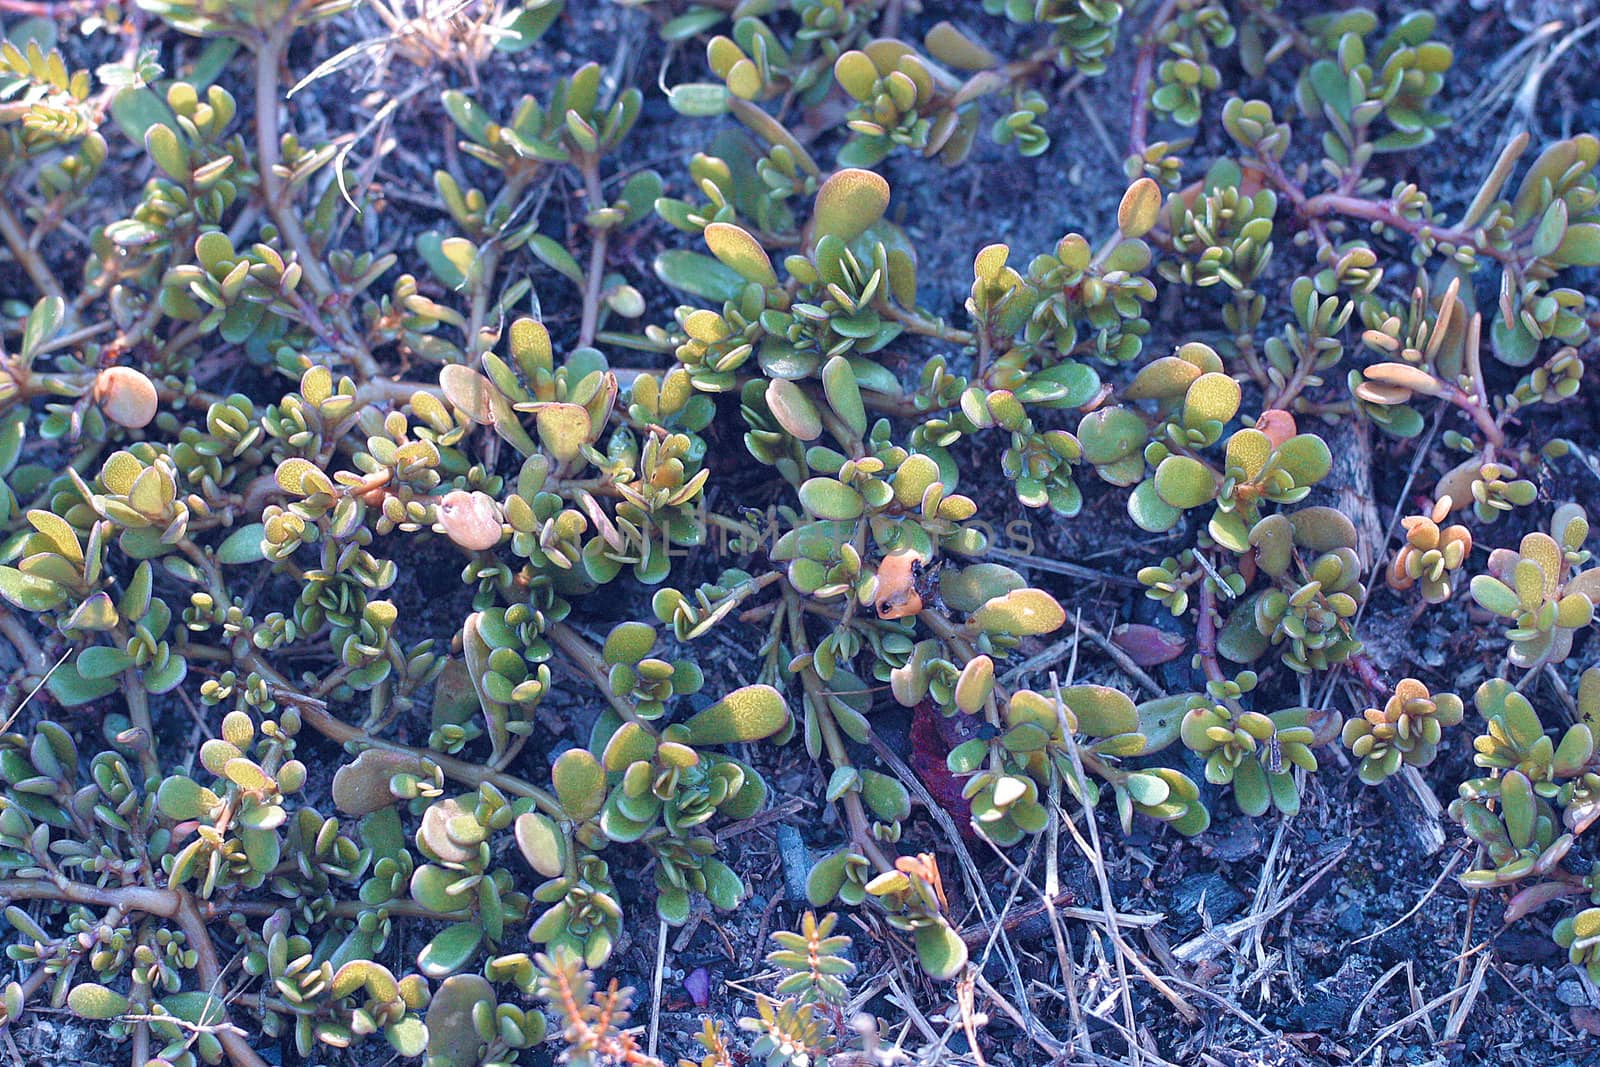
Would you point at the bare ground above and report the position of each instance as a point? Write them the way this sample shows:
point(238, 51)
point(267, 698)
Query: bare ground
point(1339, 937)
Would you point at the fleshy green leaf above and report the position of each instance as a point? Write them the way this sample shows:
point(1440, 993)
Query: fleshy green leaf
point(450, 950)
point(1021, 613)
point(734, 246)
point(242, 546)
point(747, 714)
point(1183, 482)
point(940, 950)
point(90, 1000)
point(580, 783)
point(848, 203)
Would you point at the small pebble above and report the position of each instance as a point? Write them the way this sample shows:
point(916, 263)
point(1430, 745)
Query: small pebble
point(698, 985)
point(1572, 994)
point(796, 862)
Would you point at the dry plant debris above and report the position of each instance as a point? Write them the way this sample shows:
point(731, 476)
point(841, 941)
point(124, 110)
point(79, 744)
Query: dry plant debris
point(440, 547)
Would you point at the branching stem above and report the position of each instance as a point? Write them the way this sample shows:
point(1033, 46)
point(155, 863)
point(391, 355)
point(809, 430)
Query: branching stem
point(920, 324)
point(315, 714)
point(1383, 211)
point(489, 258)
point(279, 200)
point(1205, 632)
point(26, 255)
point(28, 650)
point(594, 278)
point(175, 904)
point(838, 754)
point(587, 658)
point(1143, 68)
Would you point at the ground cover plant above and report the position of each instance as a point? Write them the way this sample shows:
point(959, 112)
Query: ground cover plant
point(800, 531)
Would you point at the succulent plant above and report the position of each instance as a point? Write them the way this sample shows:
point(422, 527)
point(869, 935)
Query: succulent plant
point(307, 673)
point(1534, 586)
point(1580, 935)
point(1256, 754)
point(1407, 730)
point(1431, 554)
point(1537, 798)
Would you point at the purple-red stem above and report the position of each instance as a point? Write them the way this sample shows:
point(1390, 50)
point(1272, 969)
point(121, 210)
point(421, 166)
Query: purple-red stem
point(1205, 633)
point(1383, 211)
point(1139, 124)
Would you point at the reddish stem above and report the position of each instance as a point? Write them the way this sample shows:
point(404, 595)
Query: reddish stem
point(1480, 415)
point(47, 9)
point(1205, 633)
point(1368, 675)
point(1384, 211)
point(1139, 124)
point(174, 904)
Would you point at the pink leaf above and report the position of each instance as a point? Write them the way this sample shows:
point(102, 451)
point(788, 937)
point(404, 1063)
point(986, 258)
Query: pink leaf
point(1537, 896)
point(932, 737)
point(1146, 645)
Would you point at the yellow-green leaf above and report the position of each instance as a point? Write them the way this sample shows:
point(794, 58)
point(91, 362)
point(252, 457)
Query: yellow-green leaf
point(563, 428)
point(737, 249)
point(747, 714)
point(848, 203)
point(1140, 208)
point(1021, 613)
point(59, 533)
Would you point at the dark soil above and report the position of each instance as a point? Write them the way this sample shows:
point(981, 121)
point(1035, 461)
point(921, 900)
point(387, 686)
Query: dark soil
point(1361, 967)
point(1380, 929)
